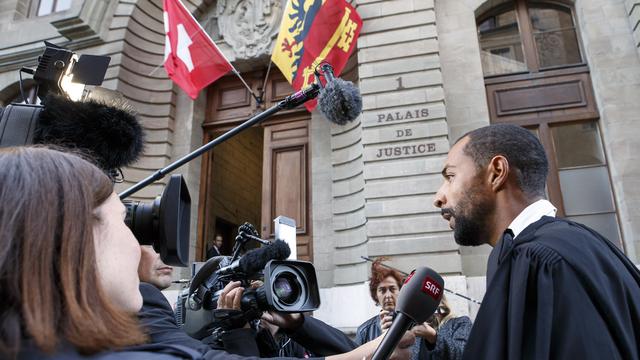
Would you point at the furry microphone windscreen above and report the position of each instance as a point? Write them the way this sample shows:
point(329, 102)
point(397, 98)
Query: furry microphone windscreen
point(340, 101)
point(255, 260)
point(110, 133)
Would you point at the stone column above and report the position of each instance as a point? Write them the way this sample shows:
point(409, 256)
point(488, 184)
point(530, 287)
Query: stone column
point(404, 136)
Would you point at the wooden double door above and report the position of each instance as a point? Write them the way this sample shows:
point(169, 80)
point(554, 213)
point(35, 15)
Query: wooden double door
point(261, 173)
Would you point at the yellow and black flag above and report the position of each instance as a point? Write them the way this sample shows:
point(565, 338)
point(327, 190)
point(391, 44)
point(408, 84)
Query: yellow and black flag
point(314, 31)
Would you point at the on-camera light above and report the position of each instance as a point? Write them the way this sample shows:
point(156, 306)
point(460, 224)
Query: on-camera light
point(61, 71)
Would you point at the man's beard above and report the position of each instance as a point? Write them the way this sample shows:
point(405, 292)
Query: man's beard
point(471, 217)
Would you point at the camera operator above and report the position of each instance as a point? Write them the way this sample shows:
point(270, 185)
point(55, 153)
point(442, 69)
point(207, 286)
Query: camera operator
point(57, 212)
point(158, 320)
point(156, 316)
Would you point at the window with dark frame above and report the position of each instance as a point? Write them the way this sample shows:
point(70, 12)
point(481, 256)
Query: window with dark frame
point(542, 36)
point(525, 46)
point(47, 7)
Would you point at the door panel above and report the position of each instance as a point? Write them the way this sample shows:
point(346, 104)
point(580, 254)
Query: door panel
point(286, 181)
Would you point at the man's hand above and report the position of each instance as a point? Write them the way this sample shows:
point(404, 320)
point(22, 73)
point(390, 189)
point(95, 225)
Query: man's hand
point(426, 332)
point(386, 318)
point(282, 320)
point(231, 296)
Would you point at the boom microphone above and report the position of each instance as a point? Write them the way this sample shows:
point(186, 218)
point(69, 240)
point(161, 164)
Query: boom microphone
point(255, 260)
point(339, 100)
point(418, 300)
point(108, 132)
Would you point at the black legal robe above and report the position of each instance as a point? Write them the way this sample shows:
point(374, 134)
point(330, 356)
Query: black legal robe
point(560, 291)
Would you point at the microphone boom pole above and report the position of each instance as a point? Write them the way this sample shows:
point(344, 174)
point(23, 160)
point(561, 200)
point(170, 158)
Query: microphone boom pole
point(290, 102)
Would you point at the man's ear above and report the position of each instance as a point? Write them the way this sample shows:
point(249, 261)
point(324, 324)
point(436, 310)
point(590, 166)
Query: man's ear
point(498, 172)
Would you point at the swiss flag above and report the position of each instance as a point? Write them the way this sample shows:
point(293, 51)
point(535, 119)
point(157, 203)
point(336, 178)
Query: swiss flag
point(191, 58)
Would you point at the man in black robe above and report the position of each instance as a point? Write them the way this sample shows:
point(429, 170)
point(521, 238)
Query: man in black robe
point(555, 288)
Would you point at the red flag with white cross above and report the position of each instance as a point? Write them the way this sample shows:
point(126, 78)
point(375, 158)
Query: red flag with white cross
point(192, 60)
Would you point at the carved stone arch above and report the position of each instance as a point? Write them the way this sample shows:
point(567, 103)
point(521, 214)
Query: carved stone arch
point(483, 6)
point(139, 75)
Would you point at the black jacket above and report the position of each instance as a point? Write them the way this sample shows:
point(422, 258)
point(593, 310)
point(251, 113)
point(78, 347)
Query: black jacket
point(321, 339)
point(560, 291)
point(140, 352)
point(158, 319)
point(450, 341)
point(368, 330)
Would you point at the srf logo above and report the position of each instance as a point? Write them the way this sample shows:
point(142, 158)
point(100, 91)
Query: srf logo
point(432, 288)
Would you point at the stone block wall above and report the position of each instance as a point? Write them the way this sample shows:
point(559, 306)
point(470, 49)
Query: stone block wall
point(404, 136)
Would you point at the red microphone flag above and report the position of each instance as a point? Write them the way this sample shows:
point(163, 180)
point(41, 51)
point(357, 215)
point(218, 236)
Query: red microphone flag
point(192, 60)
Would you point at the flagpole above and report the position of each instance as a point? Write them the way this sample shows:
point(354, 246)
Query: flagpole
point(258, 99)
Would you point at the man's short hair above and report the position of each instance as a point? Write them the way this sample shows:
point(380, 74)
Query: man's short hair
point(519, 146)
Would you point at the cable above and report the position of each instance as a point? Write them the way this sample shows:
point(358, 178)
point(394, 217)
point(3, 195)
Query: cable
point(445, 289)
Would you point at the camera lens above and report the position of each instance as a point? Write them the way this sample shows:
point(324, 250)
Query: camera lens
point(287, 288)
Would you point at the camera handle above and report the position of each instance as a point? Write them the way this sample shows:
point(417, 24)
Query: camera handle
point(290, 102)
point(245, 233)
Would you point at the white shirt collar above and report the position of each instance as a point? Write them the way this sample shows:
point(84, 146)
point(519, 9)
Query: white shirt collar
point(531, 214)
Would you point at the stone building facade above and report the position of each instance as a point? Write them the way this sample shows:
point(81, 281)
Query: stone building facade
point(428, 70)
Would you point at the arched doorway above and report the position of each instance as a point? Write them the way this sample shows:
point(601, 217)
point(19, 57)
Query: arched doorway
point(259, 174)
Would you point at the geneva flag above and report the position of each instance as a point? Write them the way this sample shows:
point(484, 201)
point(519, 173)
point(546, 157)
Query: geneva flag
point(312, 32)
point(191, 58)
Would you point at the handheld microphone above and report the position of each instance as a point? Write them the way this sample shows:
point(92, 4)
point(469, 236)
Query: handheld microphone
point(339, 100)
point(255, 260)
point(418, 299)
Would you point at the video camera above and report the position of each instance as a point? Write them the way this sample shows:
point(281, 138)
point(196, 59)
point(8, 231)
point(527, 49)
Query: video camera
point(103, 127)
point(289, 286)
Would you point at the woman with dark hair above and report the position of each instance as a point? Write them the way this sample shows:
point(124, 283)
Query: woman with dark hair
point(68, 266)
point(57, 212)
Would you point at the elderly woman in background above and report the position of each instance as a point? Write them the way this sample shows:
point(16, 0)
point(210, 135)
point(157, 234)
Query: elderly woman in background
point(443, 336)
point(384, 285)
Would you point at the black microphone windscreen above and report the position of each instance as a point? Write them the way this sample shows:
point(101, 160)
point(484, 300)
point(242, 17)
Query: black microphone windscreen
point(340, 101)
point(421, 294)
point(110, 133)
point(255, 260)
